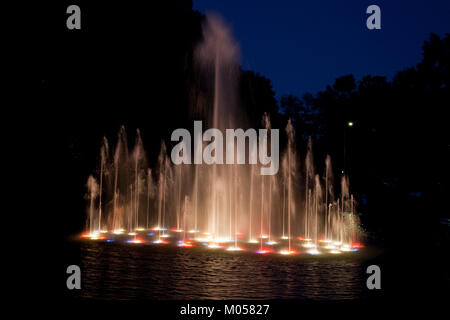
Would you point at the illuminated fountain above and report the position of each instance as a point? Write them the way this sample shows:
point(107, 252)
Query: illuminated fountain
point(220, 205)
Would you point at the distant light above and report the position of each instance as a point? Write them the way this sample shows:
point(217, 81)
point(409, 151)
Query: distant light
point(350, 124)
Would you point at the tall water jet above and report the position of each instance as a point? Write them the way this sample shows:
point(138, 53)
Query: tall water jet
point(179, 180)
point(252, 153)
point(317, 206)
point(344, 197)
point(138, 159)
point(92, 187)
point(161, 186)
point(104, 155)
point(291, 166)
point(284, 167)
point(218, 57)
point(149, 194)
point(120, 160)
point(329, 194)
point(309, 183)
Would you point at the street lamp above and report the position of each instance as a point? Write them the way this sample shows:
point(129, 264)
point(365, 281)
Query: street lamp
point(349, 124)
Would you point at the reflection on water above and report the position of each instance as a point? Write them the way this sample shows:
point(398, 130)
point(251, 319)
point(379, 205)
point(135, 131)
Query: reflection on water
point(120, 271)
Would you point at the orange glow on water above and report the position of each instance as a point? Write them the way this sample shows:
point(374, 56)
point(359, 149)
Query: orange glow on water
point(137, 240)
point(93, 236)
point(234, 249)
point(287, 252)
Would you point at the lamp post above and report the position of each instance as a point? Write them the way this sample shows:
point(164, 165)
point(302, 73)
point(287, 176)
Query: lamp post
point(349, 124)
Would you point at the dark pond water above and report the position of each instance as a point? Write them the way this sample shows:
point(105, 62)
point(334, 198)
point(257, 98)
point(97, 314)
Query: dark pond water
point(129, 272)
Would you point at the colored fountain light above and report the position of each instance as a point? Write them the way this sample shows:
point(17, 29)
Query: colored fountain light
point(253, 241)
point(264, 251)
point(286, 238)
point(187, 244)
point(313, 251)
point(287, 252)
point(271, 243)
point(135, 241)
point(160, 241)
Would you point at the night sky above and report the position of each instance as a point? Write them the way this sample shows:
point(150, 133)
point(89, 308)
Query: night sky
point(302, 46)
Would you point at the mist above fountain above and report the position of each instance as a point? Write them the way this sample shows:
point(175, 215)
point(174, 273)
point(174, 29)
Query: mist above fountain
point(220, 205)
